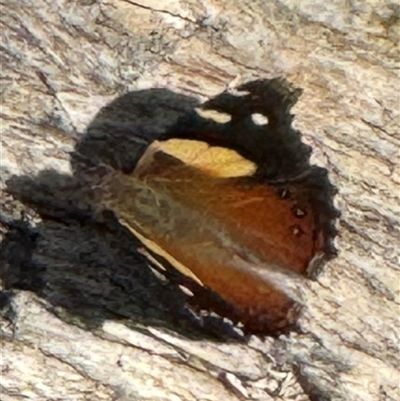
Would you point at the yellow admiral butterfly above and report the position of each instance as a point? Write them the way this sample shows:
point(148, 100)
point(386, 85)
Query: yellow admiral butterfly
point(234, 206)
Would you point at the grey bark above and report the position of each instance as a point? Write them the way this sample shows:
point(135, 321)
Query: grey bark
point(83, 316)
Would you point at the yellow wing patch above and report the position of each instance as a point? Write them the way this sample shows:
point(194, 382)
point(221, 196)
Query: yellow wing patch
point(213, 160)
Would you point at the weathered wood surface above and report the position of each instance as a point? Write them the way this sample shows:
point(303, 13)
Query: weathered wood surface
point(83, 317)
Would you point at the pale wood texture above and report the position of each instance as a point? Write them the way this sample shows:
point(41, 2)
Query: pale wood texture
point(83, 317)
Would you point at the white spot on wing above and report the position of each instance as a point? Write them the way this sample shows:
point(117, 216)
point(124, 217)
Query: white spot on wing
point(259, 119)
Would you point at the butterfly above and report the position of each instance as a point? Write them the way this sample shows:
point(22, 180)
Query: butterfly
point(234, 205)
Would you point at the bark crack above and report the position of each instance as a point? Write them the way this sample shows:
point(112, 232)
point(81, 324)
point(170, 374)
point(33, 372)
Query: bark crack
point(161, 11)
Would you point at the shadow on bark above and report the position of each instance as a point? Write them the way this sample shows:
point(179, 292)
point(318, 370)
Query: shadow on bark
point(85, 265)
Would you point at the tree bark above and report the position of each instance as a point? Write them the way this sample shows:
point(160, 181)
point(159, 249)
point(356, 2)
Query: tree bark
point(85, 81)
